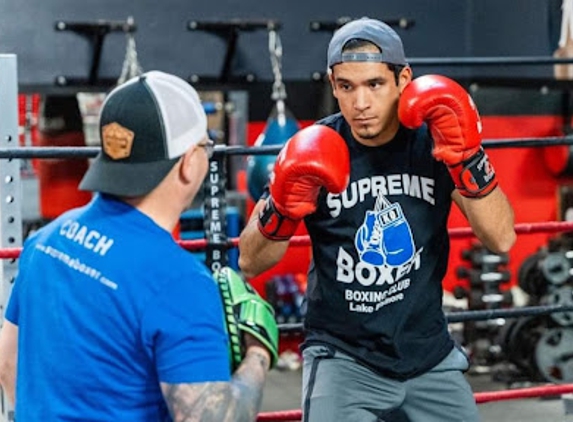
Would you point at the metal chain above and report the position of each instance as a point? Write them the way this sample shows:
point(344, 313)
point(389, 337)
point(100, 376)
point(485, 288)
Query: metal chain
point(276, 53)
point(131, 67)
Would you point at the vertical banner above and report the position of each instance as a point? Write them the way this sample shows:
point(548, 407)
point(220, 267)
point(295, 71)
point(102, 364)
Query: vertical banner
point(215, 221)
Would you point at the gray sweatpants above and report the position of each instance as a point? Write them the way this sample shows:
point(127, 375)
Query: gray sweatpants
point(336, 388)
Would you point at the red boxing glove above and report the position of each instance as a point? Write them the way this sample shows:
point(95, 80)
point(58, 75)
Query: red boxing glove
point(314, 157)
point(455, 125)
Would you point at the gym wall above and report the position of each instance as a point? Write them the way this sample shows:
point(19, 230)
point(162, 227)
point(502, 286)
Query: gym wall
point(442, 28)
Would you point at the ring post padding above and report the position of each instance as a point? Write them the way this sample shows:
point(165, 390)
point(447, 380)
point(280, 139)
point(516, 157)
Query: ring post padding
point(215, 220)
point(10, 190)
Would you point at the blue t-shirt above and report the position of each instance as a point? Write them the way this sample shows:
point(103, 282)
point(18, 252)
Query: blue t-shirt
point(108, 306)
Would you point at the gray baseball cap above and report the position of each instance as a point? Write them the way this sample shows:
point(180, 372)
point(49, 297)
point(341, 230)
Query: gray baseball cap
point(375, 31)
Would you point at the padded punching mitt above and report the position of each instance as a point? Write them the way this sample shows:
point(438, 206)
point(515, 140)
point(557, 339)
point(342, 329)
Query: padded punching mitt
point(246, 312)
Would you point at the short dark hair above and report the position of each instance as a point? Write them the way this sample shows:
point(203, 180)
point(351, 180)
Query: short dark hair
point(358, 43)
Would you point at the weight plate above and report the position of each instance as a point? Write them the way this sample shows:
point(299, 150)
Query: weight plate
point(556, 268)
point(530, 277)
point(554, 355)
point(518, 341)
point(561, 296)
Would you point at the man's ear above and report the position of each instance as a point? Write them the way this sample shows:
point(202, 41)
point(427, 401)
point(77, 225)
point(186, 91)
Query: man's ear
point(332, 84)
point(186, 164)
point(404, 78)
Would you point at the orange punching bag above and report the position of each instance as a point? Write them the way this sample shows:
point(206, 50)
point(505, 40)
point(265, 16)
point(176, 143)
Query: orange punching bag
point(60, 125)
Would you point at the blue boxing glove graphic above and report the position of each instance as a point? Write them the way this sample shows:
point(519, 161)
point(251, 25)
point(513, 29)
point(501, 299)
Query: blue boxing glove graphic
point(385, 236)
point(368, 240)
point(397, 239)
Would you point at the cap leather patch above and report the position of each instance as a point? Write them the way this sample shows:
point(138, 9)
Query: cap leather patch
point(117, 141)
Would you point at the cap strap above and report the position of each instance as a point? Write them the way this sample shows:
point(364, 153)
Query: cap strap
point(362, 57)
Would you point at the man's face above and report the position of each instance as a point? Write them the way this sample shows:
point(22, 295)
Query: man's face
point(196, 166)
point(368, 95)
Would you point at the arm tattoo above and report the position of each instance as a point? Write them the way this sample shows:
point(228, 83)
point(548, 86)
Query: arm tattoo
point(249, 380)
point(210, 401)
point(235, 401)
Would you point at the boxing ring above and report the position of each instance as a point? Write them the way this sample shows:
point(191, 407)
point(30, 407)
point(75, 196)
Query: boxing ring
point(216, 242)
point(483, 397)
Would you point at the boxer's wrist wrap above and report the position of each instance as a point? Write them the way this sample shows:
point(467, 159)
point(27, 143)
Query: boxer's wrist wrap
point(275, 226)
point(474, 177)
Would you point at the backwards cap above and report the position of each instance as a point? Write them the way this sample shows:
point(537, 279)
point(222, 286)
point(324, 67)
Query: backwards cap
point(372, 30)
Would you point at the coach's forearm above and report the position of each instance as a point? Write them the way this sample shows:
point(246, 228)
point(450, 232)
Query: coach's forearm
point(248, 382)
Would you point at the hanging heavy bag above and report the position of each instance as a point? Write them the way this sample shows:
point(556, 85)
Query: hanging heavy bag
point(280, 125)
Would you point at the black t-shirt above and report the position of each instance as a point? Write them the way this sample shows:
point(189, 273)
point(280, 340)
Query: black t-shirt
point(380, 252)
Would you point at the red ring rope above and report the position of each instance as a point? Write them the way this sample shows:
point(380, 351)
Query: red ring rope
point(483, 397)
point(455, 233)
